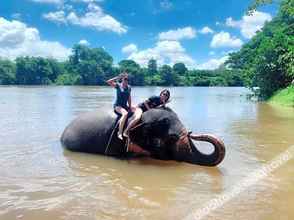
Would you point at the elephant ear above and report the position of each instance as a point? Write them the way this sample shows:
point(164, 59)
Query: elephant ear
point(147, 135)
point(155, 124)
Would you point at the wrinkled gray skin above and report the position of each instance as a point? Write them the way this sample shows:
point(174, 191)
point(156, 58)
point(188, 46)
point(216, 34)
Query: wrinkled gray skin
point(159, 134)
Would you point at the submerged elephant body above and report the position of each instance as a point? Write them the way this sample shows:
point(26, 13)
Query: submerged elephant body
point(91, 132)
point(160, 132)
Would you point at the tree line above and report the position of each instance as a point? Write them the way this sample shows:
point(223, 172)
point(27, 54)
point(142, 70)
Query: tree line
point(93, 66)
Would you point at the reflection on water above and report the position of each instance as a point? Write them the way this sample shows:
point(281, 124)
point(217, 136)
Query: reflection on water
point(40, 180)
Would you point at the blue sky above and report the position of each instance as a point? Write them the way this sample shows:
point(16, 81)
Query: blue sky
point(198, 33)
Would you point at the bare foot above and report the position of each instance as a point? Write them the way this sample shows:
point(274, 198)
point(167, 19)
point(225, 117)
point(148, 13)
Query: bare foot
point(125, 134)
point(120, 136)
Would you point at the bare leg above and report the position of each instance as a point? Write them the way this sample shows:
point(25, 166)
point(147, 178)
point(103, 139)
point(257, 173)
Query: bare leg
point(138, 114)
point(124, 115)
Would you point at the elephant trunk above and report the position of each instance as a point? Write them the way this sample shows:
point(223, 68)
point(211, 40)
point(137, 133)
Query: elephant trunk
point(213, 159)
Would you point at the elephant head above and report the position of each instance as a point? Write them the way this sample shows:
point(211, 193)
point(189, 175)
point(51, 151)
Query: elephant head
point(165, 137)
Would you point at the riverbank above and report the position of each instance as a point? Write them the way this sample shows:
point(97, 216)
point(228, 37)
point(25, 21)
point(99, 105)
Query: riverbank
point(284, 97)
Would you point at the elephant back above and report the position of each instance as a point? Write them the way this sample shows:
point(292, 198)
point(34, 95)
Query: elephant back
point(89, 132)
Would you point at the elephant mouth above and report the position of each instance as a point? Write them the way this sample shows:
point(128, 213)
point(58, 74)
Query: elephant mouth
point(184, 141)
point(134, 148)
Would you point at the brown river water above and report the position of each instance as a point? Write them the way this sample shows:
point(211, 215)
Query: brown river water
point(41, 180)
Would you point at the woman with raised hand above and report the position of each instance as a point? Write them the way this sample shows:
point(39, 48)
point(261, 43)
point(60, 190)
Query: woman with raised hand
point(123, 100)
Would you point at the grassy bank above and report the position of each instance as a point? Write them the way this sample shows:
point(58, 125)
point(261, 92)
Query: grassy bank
point(284, 97)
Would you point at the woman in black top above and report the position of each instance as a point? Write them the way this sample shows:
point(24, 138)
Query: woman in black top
point(123, 99)
point(152, 102)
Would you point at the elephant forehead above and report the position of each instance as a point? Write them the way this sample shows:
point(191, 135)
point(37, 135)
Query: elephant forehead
point(158, 114)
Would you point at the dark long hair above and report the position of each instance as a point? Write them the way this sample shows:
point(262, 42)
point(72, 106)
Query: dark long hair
point(167, 92)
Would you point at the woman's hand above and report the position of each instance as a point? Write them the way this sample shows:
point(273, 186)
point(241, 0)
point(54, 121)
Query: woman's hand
point(112, 82)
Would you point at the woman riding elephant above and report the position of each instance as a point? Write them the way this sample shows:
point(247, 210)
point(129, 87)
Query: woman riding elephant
point(123, 100)
point(152, 102)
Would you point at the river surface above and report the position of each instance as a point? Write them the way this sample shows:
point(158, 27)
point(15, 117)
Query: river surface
point(41, 180)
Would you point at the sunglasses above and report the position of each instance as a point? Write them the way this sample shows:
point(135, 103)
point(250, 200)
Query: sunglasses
point(125, 79)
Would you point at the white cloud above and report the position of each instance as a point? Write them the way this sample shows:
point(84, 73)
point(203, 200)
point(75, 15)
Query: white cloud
point(142, 57)
point(131, 48)
point(16, 39)
point(94, 18)
point(84, 42)
point(249, 25)
point(165, 52)
point(178, 34)
point(212, 63)
point(206, 30)
point(224, 39)
point(58, 16)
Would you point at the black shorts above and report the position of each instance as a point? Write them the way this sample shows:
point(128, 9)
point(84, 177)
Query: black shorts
point(143, 107)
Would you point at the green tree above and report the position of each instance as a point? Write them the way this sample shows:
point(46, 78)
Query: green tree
point(267, 60)
point(136, 75)
point(79, 53)
point(152, 67)
point(167, 75)
point(57, 68)
point(180, 69)
point(33, 71)
point(90, 72)
point(68, 79)
point(7, 72)
point(93, 65)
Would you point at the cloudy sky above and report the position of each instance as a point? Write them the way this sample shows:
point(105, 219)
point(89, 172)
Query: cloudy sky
point(199, 33)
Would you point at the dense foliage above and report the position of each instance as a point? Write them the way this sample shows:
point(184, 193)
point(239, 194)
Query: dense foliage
point(267, 61)
point(7, 72)
point(93, 66)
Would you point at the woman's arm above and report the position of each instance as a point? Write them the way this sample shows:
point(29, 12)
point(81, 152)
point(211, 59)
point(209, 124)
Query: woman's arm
point(130, 102)
point(112, 81)
point(146, 105)
point(149, 103)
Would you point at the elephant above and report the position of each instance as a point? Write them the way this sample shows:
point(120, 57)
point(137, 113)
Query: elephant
point(159, 132)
